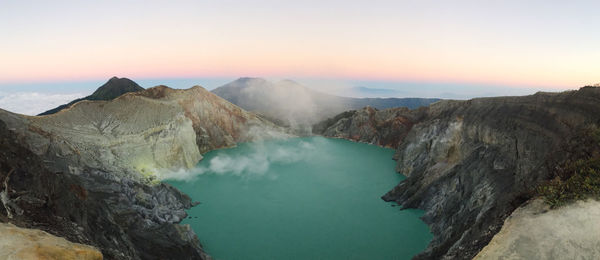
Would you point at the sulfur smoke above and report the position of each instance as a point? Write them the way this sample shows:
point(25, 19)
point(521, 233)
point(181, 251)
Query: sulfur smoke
point(285, 102)
point(255, 162)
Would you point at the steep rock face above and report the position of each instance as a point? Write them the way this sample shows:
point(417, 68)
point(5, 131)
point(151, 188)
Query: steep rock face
point(471, 163)
point(31, 244)
point(159, 128)
point(110, 90)
point(536, 232)
point(125, 219)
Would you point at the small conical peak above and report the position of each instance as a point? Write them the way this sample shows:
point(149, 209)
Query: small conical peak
point(115, 87)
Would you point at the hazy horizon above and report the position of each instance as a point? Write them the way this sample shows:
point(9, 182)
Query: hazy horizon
point(56, 50)
point(34, 98)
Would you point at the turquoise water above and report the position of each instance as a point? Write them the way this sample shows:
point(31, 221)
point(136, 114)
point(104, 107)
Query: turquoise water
point(301, 198)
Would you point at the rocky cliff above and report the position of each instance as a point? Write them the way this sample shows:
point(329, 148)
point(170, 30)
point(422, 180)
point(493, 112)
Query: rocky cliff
point(470, 164)
point(86, 173)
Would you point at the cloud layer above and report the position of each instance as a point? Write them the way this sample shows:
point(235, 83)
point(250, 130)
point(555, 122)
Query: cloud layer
point(33, 103)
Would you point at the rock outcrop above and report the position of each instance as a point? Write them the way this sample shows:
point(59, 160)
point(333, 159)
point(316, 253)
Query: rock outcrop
point(31, 244)
point(87, 173)
point(470, 164)
point(536, 232)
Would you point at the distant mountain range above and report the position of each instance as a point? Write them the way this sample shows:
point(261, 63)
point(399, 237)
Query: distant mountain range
point(285, 102)
point(113, 88)
point(289, 103)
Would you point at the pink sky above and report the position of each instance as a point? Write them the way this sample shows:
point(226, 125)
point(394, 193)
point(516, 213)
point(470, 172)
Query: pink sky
point(508, 43)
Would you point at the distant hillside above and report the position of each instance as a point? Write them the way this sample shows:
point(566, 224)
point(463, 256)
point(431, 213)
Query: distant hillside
point(110, 90)
point(292, 104)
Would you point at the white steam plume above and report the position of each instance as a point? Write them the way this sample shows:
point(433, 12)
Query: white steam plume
point(253, 163)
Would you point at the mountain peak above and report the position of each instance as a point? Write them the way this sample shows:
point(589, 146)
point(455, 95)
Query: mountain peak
point(113, 88)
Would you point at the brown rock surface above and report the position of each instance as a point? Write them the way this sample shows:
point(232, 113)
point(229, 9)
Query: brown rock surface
point(32, 244)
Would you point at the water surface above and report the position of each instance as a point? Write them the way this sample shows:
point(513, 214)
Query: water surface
point(301, 198)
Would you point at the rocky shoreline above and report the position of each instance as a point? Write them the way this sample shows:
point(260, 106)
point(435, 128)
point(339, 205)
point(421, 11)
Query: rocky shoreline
point(470, 164)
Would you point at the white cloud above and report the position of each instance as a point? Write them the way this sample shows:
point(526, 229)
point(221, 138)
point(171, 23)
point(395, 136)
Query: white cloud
point(33, 103)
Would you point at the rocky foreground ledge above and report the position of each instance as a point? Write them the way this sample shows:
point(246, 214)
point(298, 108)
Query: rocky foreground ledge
point(87, 173)
point(470, 164)
point(30, 244)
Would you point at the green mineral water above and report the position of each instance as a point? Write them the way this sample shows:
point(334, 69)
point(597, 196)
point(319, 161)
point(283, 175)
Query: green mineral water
point(300, 198)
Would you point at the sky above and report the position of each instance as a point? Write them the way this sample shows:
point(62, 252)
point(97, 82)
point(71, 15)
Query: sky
point(457, 49)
